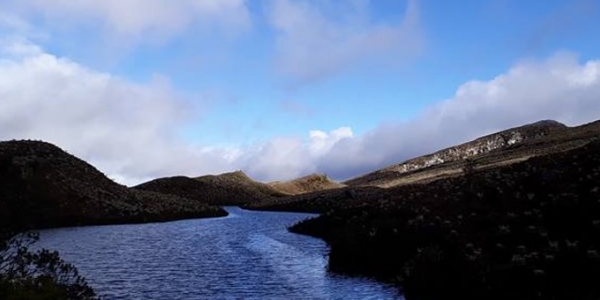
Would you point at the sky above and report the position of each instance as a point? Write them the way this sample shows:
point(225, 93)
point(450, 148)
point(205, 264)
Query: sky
point(280, 89)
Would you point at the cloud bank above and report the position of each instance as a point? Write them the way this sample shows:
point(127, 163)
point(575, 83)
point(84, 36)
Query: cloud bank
point(559, 88)
point(129, 130)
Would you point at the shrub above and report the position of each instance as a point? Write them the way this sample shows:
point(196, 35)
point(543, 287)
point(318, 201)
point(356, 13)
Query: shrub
point(37, 275)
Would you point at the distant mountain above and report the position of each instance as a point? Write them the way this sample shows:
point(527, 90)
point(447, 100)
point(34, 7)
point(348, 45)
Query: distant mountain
point(233, 188)
point(43, 186)
point(505, 147)
point(490, 152)
point(306, 184)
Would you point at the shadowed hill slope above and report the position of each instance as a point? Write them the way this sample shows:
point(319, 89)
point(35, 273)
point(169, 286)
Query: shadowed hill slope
point(499, 229)
point(504, 147)
point(306, 184)
point(233, 188)
point(529, 230)
point(43, 186)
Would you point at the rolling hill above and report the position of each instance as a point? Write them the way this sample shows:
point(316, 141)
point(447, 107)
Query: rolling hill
point(500, 148)
point(490, 152)
point(43, 186)
point(306, 184)
point(234, 188)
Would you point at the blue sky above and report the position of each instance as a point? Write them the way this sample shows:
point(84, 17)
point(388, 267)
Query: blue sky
point(283, 88)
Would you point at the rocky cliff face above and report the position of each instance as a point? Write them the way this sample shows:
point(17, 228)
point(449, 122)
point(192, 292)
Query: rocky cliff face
point(43, 186)
point(494, 142)
point(481, 145)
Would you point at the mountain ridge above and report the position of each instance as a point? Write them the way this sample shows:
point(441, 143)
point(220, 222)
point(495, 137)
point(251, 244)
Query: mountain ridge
point(558, 138)
point(232, 188)
point(309, 183)
point(520, 222)
point(480, 147)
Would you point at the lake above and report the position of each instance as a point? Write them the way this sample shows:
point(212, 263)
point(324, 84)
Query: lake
point(247, 255)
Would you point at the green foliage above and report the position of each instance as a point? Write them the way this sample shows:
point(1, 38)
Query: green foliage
point(529, 230)
point(37, 275)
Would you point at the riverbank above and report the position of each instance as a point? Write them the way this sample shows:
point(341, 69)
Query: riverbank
point(530, 230)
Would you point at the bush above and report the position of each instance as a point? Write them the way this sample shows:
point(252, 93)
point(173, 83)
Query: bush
point(37, 275)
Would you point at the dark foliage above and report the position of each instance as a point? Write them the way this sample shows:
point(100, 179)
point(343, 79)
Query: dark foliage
point(37, 275)
point(43, 186)
point(234, 188)
point(525, 231)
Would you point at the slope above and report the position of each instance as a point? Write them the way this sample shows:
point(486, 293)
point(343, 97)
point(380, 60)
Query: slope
point(306, 184)
point(43, 186)
point(501, 148)
point(234, 188)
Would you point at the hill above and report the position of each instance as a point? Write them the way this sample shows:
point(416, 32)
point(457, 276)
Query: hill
point(537, 139)
point(306, 184)
point(529, 230)
point(43, 186)
point(234, 188)
point(520, 221)
point(501, 148)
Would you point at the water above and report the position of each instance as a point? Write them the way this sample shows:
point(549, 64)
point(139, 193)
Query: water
point(247, 255)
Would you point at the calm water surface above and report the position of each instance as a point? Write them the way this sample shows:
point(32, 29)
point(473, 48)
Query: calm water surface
point(247, 255)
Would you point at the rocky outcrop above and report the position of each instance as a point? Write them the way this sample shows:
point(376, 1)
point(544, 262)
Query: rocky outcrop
point(481, 145)
point(306, 184)
point(494, 142)
point(43, 186)
point(234, 188)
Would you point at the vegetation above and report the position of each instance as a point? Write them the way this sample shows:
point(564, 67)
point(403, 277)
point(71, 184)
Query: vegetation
point(37, 275)
point(530, 230)
point(501, 148)
point(43, 186)
point(517, 222)
point(234, 188)
point(306, 184)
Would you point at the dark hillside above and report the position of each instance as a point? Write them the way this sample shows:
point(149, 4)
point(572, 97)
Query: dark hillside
point(43, 186)
point(234, 188)
point(529, 230)
point(507, 146)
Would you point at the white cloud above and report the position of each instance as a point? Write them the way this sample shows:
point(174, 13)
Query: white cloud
point(321, 142)
point(560, 88)
point(137, 19)
point(129, 130)
point(312, 44)
point(126, 129)
point(290, 157)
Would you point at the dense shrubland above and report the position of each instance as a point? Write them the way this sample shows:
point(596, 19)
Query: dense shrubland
point(526, 231)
